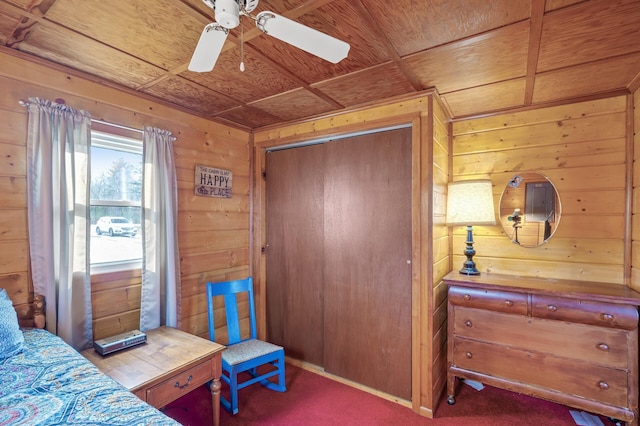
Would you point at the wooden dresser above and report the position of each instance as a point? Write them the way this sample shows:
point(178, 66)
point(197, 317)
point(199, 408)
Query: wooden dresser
point(572, 342)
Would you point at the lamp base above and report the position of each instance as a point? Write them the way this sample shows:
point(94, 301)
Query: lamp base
point(469, 266)
point(469, 270)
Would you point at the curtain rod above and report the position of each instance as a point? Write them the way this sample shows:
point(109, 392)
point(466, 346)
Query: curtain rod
point(24, 103)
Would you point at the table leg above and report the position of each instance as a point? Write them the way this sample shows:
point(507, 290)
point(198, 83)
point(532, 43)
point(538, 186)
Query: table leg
point(215, 387)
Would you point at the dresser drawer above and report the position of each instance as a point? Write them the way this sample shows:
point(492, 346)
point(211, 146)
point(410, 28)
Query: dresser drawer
point(180, 384)
point(495, 300)
point(605, 346)
point(607, 385)
point(585, 312)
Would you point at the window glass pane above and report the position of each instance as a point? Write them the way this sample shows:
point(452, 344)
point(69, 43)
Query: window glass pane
point(115, 175)
point(115, 234)
point(116, 193)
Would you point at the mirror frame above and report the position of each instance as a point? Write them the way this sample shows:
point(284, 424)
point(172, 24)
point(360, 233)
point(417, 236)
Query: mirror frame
point(529, 209)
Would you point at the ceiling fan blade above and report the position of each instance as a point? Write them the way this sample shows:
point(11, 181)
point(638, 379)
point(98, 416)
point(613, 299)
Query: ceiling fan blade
point(208, 48)
point(312, 41)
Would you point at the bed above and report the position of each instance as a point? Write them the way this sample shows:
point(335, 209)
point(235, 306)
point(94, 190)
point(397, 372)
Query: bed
point(44, 381)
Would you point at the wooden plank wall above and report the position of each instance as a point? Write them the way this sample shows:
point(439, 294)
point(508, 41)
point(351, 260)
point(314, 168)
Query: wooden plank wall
point(635, 222)
point(14, 246)
point(581, 148)
point(213, 232)
point(440, 251)
point(115, 301)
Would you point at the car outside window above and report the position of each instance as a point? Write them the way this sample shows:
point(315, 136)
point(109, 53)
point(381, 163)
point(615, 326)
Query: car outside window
point(116, 226)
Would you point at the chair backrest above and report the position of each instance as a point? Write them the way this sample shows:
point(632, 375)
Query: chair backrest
point(230, 289)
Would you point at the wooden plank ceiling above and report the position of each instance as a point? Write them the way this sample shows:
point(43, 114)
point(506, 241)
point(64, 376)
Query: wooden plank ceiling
point(481, 55)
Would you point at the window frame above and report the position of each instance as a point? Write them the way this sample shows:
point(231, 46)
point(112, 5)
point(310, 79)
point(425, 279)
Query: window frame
point(116, 138)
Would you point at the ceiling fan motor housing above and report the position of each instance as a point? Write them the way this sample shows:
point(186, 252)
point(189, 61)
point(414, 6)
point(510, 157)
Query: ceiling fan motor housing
point(227, 13)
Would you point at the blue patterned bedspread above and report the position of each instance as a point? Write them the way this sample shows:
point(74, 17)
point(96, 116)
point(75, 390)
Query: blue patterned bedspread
point(52, 384)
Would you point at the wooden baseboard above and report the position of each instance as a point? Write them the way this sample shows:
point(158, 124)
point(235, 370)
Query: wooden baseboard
point(319, 370)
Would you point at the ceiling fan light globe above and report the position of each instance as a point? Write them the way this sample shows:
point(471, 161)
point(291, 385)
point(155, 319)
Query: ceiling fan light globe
point(227, 13)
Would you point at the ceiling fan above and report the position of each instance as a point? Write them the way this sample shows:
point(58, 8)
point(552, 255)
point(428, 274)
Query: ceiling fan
point(227, 16)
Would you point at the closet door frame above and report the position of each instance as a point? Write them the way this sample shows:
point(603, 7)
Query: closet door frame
point(418, 118)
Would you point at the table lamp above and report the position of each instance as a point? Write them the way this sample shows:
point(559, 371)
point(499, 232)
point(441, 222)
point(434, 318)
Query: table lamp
point(470, 202)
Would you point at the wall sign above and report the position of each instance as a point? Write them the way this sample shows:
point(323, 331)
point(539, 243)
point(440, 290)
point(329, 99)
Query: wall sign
point(212, 182)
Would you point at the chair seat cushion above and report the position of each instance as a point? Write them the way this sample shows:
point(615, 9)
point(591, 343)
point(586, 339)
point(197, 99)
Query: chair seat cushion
point(249, 349)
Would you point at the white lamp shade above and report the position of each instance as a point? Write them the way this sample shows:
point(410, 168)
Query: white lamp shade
point(470, 202)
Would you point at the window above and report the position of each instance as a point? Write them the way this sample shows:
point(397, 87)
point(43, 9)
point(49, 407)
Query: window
point(115, 202)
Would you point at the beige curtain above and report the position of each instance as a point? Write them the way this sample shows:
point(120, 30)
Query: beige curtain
point(58, 138)
point(160, 264)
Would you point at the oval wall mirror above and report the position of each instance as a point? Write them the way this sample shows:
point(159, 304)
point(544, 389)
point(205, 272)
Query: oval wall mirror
point(529, 209)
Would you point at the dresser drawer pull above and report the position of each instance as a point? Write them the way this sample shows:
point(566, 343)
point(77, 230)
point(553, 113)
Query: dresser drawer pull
point(552, 308)
point(508, 303)
point(603, 385)
point(468, 355)
point(177, 384)
point(603, 347)
point(468, 323)
point(607, 317)
point(467, 297)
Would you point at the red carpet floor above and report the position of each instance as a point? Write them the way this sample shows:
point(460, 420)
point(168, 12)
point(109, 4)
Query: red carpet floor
point(313, 400)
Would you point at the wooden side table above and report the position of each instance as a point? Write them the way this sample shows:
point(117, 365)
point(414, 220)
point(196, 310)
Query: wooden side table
point(169, 365)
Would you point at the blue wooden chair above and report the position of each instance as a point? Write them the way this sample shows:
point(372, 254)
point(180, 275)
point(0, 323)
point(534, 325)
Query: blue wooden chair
point(243, 354)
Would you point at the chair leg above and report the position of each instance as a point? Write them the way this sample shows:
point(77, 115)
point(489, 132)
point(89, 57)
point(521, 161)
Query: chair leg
point(281, 386)
point(226, 404)
point(231, 378)
point(233, 391)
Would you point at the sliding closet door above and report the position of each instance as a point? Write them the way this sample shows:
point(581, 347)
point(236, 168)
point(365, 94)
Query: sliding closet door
point(295, 238)
point(367, 273)
point(338, 227)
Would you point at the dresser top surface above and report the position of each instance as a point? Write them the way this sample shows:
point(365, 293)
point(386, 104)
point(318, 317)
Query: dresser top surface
point(585, 290)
